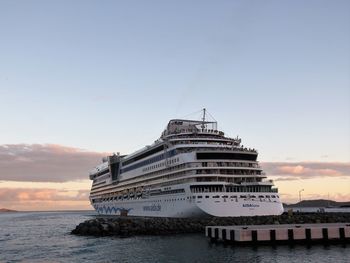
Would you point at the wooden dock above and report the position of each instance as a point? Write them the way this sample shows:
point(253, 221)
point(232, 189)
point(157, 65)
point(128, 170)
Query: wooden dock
point(285, 233)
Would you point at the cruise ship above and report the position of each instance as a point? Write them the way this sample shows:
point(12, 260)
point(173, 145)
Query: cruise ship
point(192, 170)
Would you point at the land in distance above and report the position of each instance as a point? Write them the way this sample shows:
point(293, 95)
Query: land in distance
point(318, 203)
point(4, 210)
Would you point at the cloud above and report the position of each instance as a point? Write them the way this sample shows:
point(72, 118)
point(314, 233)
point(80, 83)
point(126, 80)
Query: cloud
point(45, 162)
point(44, 199)
point(47, 195)
point(305, 170)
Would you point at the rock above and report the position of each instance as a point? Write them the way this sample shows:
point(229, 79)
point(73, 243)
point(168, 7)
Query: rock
point(105, 227)
point(94, 230)
point(128, 226)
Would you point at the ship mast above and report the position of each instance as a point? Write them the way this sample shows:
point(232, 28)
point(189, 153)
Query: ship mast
point(203, 119)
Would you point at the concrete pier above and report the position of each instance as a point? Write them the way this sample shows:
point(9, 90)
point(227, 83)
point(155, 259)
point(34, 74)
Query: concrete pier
point(286, 233)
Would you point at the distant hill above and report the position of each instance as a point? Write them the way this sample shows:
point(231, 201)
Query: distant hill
point(318, 203)
point(4, 210)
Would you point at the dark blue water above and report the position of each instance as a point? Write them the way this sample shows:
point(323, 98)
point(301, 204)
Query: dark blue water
point(44, 236)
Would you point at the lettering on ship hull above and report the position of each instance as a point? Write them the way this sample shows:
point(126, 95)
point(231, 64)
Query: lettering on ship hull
point(250, 205)
point(153, 207)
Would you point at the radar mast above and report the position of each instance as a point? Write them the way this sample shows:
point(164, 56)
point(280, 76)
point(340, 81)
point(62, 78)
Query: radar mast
point(203, 119)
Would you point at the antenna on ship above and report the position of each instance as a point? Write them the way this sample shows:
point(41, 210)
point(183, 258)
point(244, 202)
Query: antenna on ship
point(203, 119)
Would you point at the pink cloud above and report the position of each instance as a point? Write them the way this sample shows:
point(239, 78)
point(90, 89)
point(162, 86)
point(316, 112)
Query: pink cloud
point(44, 199)
point(45, 162)
point(298, 169)
point(33, 195)
point(306, 170)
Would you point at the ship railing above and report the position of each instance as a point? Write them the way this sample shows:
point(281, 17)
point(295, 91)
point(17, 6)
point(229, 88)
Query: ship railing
point(233, 189)
point(223, 148)
point(233, 164)
point(225, 172)
point(263, 181)
point(193, 130)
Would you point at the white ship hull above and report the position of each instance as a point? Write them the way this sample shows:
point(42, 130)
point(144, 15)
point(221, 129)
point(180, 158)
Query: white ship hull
point(191, 206)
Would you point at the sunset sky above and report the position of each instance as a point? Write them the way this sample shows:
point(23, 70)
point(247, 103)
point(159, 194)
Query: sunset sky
point(82, 79)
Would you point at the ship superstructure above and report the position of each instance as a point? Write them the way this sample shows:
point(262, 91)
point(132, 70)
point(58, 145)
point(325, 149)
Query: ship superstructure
point(192, 170)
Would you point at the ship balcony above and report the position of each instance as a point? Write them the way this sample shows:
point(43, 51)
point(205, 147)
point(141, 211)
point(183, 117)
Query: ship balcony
point(231, 188)
point(229, 172)
point(231, 164)
point(203, 146)
point(264, 182)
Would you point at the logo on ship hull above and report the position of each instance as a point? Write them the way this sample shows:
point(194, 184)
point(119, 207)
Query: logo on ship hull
point(153, 207)
point(250, 205)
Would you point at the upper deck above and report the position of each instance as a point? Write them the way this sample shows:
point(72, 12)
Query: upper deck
point(181, 135)
point(182, 126)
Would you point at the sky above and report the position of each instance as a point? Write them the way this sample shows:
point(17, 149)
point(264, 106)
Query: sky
point(82, 79)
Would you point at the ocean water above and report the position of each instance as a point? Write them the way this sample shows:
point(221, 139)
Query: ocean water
point(45, 237)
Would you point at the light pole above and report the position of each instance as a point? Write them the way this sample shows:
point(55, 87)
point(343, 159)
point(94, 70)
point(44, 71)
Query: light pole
point(300, 194)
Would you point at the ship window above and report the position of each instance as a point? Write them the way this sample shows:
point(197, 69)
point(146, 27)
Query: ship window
point(233, 196)
point(216, 196)
point(220, 155)
point(224, 196)
point(207, 196)
point(273, 196)
point(243, 196)
point(199, 196)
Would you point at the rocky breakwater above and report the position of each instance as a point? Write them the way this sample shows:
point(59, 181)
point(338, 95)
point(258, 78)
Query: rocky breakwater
point(129, 226)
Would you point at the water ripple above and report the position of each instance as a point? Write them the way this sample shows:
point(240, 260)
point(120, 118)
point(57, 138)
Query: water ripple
point(44, 237)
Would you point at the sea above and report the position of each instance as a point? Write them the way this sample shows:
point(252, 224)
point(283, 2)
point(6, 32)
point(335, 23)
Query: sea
point(45, 237)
